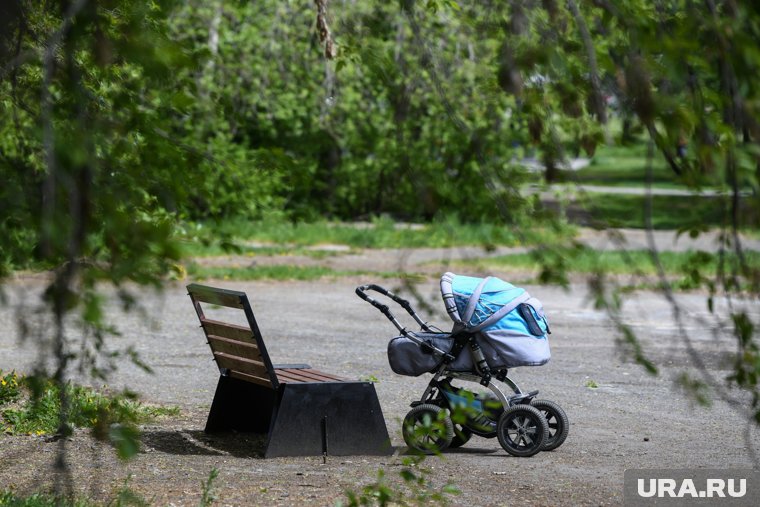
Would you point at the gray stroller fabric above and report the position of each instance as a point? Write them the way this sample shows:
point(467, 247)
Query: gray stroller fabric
point(406, 357)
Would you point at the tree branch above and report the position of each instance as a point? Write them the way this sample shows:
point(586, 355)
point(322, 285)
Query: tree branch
point(596, 86)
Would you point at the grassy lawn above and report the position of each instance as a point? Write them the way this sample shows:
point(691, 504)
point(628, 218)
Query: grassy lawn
point(284, 272)
point(624, 166)
point(668, 212)
point(280, 237)
point(585, 261)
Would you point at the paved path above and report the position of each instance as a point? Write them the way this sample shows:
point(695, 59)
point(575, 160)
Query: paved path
point(574, 189)
point(631, 420)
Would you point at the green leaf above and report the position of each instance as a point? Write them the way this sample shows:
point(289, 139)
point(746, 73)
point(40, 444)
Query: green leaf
point(125, 439)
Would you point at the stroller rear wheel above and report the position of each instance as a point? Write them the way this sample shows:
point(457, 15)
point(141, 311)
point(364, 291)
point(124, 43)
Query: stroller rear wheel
point(428, 429)
point(557, 420)
point(522, 430)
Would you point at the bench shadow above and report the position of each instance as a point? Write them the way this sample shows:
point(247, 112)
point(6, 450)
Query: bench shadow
point(200, 443)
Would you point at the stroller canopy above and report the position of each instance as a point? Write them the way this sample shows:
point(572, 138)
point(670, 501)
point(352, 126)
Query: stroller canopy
point(477, 303)
point(511, 325)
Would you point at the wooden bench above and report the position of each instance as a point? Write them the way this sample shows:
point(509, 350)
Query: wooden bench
point(303, 411)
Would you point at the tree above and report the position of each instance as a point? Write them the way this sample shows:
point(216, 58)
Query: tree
point(88, 162)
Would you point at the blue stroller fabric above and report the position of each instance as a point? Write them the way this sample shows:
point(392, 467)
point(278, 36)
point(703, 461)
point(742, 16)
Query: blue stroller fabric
point(511, 325)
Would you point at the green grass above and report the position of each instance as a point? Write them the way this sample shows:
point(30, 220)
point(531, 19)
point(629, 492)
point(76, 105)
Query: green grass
point(124, 496)
point(380, 233)
point(668, 212)
point(10, 388)
point(10, 499)
point(40, 415)
point(238, 247)
point(32, 406)
point(279, 272)
point(283, 272)
point(587, 261)
point(624, 166)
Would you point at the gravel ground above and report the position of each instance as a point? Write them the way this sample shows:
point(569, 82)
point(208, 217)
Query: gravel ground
point(631, 420)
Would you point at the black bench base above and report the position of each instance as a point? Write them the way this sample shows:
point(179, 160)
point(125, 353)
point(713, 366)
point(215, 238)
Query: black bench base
point(303, 419)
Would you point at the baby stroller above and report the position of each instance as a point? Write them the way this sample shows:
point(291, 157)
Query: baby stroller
point(497, 326)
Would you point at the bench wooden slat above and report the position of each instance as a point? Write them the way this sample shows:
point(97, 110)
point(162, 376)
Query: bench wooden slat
point(326, 376)
point(314, 375)
point(251, 378)
point(285, 378)
point(221, 297)
point(293, 376)
point(235, 348)
point(225, 330)
point(241, 365)
point(329, 376)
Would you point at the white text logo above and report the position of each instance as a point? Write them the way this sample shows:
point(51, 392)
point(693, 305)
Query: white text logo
point(714, 488)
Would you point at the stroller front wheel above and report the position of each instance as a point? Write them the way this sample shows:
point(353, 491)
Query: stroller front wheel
point(427, 429)
point(522, 430)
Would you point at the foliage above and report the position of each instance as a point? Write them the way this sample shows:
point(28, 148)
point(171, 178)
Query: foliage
point(9, 387)
point(37, 411)
point(9, 499)
point(207, 492)
point(128, 497)
point(88, 158)
point(125, 496)
point(369, 134)
point(417, 488)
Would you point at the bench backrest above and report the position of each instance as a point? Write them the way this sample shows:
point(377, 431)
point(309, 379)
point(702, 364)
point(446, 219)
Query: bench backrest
point(239, 351)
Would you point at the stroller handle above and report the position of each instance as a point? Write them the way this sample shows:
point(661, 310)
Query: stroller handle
point(361, 291)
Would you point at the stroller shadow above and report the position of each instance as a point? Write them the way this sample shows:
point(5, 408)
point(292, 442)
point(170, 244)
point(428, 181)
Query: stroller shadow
point(200, 443)
point(405, 451)
point(470, 450)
